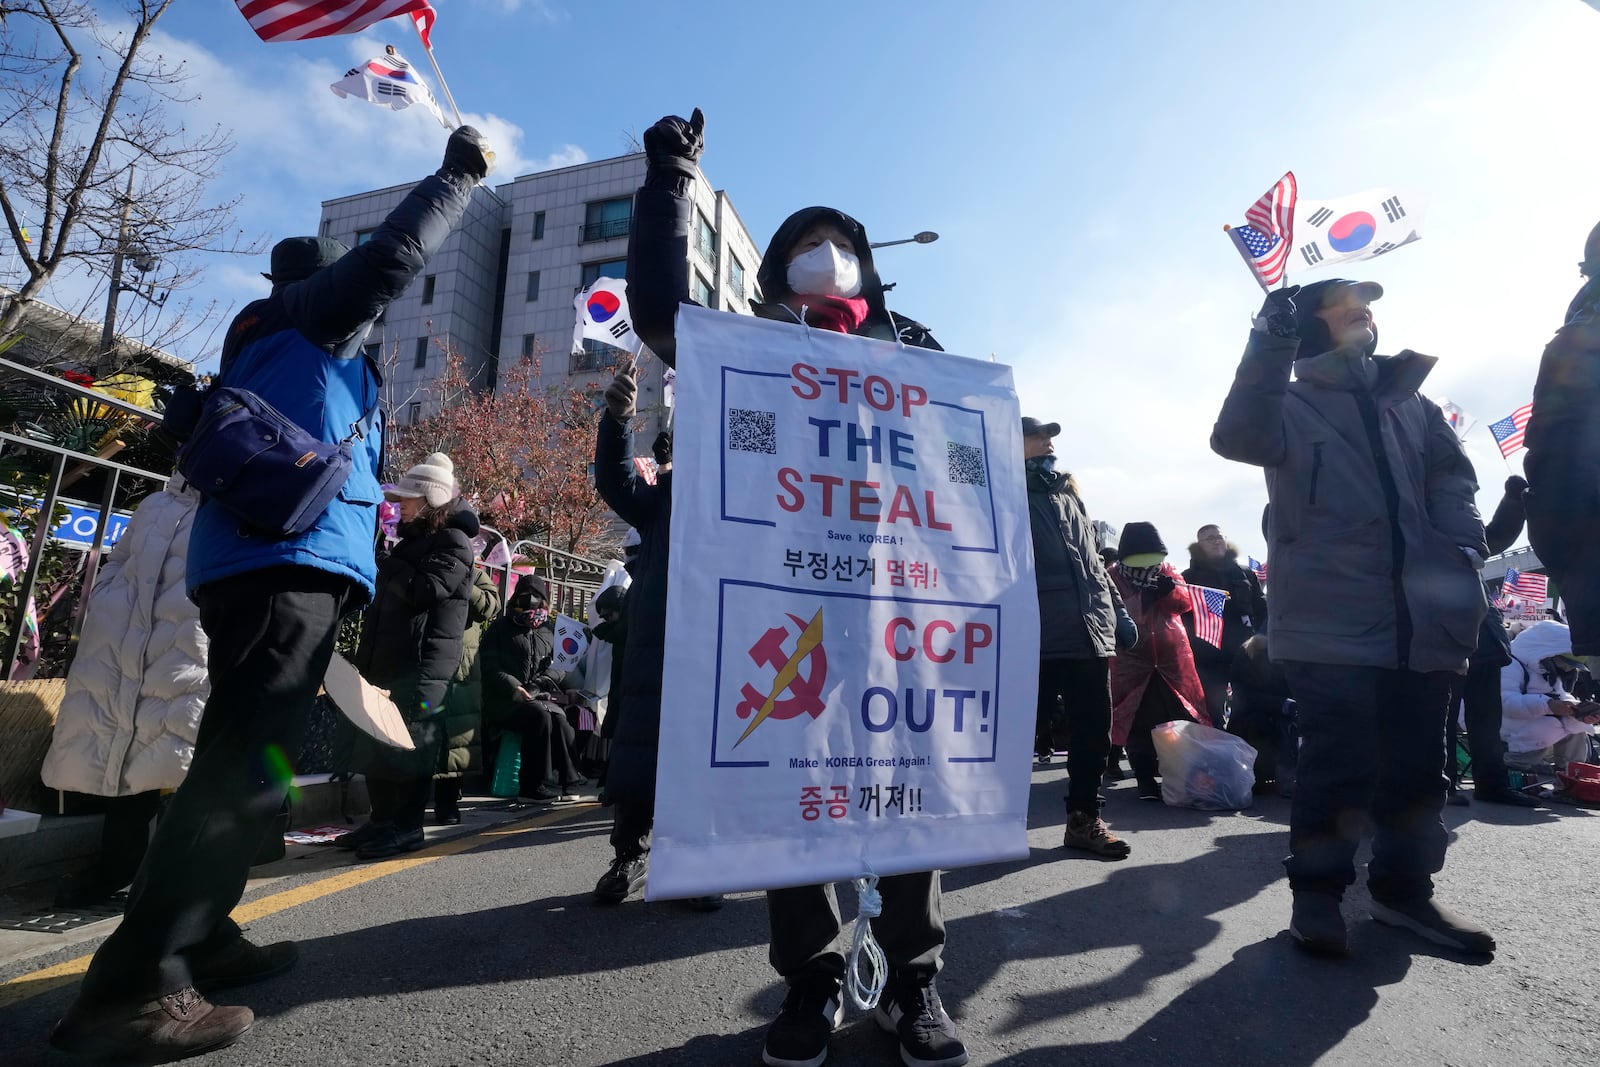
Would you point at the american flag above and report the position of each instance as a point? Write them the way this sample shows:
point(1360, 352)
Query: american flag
point(1522, 586)
point(1208, 605)
point(1510, 430)
point(299, 20)
point(1259, 568)
point(1269, 230)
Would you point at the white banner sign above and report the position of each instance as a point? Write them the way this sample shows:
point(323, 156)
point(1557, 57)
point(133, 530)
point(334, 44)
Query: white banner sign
point(852, 630)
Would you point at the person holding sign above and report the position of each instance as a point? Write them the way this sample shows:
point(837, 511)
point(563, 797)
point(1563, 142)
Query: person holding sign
point(817, 271)
point(1082, 624)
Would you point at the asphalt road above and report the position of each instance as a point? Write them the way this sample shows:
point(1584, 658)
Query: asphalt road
point(492, 954)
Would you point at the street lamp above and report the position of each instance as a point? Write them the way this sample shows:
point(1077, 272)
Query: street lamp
point(926, 237)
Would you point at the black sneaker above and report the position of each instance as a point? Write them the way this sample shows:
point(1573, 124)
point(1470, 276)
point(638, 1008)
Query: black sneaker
point(1317, 924)
point(543, 795)
point(915, 1014)
point(1504, 795)
point(1149, 789)
point(1427, 919)
point(626, 877)
point(798, 1037)
point(391, 842)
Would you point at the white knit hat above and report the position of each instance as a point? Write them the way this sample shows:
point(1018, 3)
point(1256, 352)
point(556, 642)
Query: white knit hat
point(434, 480)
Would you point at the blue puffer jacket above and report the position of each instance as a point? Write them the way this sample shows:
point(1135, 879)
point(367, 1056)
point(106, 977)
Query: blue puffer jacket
point(300, 350)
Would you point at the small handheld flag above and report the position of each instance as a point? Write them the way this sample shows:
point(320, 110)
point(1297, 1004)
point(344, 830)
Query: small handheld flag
point(1457, 417)
point(570, 643)
point(1352, 228)
point(1509, 431)
point(1268, 233)
point(300, 20)
point(1523, 586)
point(603, 316)
point(1208, 605)
point(1258, 568)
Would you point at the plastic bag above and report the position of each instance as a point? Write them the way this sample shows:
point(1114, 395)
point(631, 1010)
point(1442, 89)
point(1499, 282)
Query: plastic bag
point(1203, 767)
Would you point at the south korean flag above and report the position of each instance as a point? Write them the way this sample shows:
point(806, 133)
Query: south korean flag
point(1363, 226)
point(603, 316)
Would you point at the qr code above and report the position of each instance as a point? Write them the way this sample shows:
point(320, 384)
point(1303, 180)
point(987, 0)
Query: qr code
point(753, 431)
point(966, 464)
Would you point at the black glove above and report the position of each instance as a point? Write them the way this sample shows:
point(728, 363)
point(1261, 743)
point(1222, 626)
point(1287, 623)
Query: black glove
point(467, 152)
point(673, 145)
point(1277, 314)
point(1127, 632)
point(1164, 584)
point(1516, 485)
point(621, 395)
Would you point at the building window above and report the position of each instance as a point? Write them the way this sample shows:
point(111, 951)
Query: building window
point(611, 268)
point(595, 355)
point(700, 290)
point(736, 276)
point(606, 219)
point(372, 351)
point(705, 239)
point(414, 413)
point(427, 288)
point(530, 345)
point(422, 352)
point(363, 236)
point(533, 285)
point(538, 225)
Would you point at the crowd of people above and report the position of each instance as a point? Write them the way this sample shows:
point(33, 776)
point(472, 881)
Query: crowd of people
point(1345, 674)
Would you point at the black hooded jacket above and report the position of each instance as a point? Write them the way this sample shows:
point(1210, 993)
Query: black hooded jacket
point(411, 639)
point(658, 272)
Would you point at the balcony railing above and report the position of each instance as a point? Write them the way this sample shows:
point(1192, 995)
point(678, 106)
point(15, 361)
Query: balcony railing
point(608, 229)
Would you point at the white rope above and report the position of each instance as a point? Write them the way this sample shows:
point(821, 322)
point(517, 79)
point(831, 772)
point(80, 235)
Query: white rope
point(865, 993)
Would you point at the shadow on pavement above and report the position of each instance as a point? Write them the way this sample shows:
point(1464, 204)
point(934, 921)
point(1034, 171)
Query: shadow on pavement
point(1283, 1008)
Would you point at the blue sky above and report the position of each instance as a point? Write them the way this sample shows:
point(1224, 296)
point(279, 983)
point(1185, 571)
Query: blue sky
point(1078, 160)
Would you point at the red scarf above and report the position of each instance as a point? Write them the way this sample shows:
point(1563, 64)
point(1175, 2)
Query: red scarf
point(842, 314)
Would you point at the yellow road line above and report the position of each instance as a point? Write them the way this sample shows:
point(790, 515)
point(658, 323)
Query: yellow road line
point(34, 983)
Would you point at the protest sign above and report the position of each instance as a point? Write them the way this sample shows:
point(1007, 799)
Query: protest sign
point(852, 624)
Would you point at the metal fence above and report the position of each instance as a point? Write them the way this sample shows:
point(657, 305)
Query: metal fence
point(49, 496)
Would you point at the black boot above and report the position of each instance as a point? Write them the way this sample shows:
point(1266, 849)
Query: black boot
point(446, 801)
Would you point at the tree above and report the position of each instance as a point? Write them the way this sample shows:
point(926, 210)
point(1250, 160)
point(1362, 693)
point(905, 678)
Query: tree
point(522, 454)
point(93, 165)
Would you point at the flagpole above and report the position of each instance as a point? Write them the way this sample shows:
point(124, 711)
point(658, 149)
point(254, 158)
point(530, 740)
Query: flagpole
point(437, 73)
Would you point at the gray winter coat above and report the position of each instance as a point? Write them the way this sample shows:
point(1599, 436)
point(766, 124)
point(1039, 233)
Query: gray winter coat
point(1078, 602)
point(1370, 501)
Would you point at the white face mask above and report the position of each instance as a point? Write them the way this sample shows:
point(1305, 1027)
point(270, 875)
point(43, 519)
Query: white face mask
point(826, 270)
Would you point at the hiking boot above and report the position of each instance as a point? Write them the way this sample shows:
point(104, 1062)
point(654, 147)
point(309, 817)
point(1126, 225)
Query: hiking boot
point(1317, 924)
point(158, 1031)
point(1428, 919)
point(240, 962)
point(359, 836)
point(912, 1011)
point(798, 1037)
point(1088, 831)
point(1504, 795)
point(625, 878)
point(391, 842)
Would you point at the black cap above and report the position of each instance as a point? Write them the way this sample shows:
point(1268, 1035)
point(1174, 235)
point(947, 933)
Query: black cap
point(1032, 426)
point(1314, 336)
point(610, 599)
point(294, 258)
